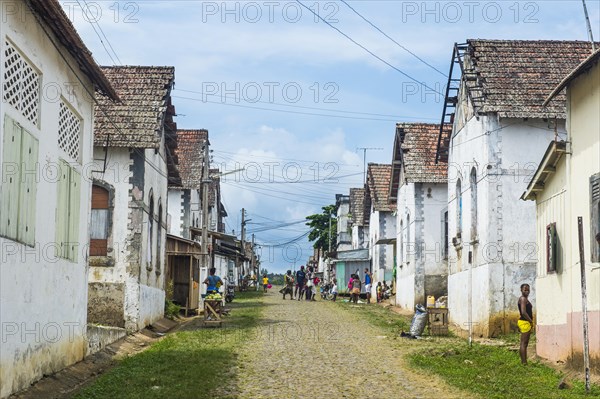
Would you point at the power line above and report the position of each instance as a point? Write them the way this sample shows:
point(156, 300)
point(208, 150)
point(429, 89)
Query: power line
point(367, 50)
point(398, 44)
point(285, 111)
point(90, 20)
point(306, 107)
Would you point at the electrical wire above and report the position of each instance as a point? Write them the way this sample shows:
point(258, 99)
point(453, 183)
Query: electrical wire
point(367, 50)
point(398, 44)
point(90, 20)
point(312, 108)
point(285, 111)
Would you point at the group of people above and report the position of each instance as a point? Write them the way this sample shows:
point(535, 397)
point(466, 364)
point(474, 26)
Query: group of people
point(301, 285)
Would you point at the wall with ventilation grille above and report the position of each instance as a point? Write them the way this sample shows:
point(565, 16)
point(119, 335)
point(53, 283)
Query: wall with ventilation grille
point(41, 293)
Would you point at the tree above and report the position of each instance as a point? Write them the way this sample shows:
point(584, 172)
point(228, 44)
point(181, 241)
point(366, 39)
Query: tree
point(263, 272)
point(320, 228)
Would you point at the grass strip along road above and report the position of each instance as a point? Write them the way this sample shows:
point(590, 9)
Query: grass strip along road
point(193, 362)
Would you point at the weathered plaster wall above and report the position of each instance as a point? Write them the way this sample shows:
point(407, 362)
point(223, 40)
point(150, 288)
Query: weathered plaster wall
point(110, 277)
point(422, 269)
point(151, 271)
point(43, 298)
point(174, 206)
point(105, 303)
point(504, 238)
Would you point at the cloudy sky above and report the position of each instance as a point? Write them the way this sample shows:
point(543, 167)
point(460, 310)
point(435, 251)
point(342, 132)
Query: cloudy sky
point(290, 91)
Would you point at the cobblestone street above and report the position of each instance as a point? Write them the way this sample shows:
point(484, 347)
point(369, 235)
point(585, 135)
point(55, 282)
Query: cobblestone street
point(319, 349)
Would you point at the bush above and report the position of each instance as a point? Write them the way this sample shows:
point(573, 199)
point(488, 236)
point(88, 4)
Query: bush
point(171, 309)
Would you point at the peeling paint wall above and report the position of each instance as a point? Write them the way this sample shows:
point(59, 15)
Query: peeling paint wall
point(422, 268)
point(136, 270)
point(504, 154)
point(42, 297)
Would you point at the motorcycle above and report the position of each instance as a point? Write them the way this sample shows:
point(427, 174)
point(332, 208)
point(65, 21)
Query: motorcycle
point(229, 293)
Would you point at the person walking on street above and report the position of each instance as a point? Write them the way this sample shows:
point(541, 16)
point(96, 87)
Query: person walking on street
point(309, 283)
point(300, 279)
point(334, 290)
point(265, 282)
point(368, 281)
point(525, 322)
point(356, 285)
point(288, 287)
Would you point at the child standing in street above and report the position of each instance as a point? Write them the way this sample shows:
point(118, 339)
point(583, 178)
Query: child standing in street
point(334, 290)
point(525, 322)
point(265, 282)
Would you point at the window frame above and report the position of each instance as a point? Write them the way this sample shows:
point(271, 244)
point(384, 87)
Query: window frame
point(18, 200)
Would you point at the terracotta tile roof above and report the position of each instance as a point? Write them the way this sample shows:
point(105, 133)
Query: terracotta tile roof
point(514, 77)
point(188, 155)
point(378, 186)
point(51, 12)
point(418, 152)
point(357, 206)
point(138, 121)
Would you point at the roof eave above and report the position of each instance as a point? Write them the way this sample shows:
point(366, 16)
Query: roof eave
point(587, 63)
point(551, 157)
point(51, 13)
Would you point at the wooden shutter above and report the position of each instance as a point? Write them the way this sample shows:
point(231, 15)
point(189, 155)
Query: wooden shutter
point(28, 188)
point(74, 207)
point(99, 223)
point(62, 210)
point(595, 216)
point(11, 166)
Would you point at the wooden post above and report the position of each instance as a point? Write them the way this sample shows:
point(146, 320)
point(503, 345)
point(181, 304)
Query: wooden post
point(586, 345)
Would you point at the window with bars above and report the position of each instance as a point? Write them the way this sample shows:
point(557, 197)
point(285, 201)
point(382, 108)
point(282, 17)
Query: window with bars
point(69, 131)
point(21, 84)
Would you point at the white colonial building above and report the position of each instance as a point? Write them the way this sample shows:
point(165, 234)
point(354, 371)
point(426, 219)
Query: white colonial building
point(500, 131)
point(382, 223)
point(129, 199)
point(419, 190)
point(48, 83)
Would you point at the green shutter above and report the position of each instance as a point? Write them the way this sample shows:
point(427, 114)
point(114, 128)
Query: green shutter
point(595, 216)
point(11, 166)
point(62, 210)
point(28, 188)
point(74, 206)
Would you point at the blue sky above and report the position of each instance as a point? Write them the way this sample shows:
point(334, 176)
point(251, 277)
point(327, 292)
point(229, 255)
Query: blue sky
point(289, 98)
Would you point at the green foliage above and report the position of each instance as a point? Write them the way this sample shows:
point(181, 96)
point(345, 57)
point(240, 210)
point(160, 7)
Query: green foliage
point(171, 309)
point(495, 372)
point(191, 363)
point(320, 231)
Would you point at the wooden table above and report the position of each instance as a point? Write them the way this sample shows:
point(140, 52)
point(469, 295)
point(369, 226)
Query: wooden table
point(212, 313)
point(437, 321)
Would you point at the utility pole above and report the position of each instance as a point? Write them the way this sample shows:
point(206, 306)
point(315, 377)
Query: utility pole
point(243, 238)
point(205, 184)
point(254, 266)
point(364, 150)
